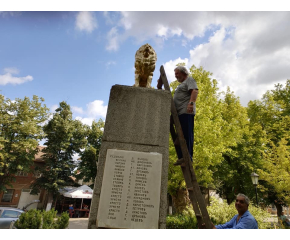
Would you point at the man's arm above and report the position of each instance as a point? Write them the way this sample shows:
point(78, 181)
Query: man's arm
point(193, 97)
point(244, 223)
point(227, 225)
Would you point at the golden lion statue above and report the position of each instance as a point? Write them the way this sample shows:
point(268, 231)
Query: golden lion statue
point(145, 59)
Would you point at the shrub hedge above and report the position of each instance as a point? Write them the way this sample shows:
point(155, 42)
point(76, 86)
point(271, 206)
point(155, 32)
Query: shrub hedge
point(40, 219)
point(220, 213)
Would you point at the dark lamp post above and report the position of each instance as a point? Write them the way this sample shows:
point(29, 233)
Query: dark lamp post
point(255, 178)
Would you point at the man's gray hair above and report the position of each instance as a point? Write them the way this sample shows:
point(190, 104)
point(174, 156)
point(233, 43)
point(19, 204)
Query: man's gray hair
point(182, 69)
point(247, 200)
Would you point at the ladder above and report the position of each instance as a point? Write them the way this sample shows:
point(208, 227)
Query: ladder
point(194, 192)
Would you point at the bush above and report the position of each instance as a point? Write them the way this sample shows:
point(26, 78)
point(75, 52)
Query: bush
point(221, 212)
point(37, 219)
point(187, 220)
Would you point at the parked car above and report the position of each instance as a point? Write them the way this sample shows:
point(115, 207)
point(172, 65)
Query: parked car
point(9, 215)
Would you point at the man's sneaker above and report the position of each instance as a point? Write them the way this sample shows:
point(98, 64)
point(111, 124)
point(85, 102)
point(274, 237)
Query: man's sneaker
point(179, 162)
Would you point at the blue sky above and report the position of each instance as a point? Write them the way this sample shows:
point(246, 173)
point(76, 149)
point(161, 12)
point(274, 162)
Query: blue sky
point(77, 56)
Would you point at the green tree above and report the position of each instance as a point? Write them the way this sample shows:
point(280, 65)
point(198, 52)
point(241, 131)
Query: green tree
point(87, 168)
point(272, 114)
point(65, 137)
point(20, 131)
point(240, 160)
point(276, 172)
point(213, 136)
point(282, 96)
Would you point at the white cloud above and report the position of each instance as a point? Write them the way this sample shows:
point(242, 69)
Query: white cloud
point(87, 121)
point(97, 109)
point(7, 78)
point(113, 40)
point(86, 21)
point(53, 108)
point(12, 70)
point(250, 58)
point(162, 31)
point(94, 111)
point(148, 25)
point(77, 110)
point(248, 51)
point(109, 17)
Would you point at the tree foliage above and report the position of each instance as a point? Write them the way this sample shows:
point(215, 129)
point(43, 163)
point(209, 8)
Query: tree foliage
point(240, 160)
point(65, 137)
point(272, 114)
point(87, 168)
point(186, 220)
point(20, 131)
point(276, 170)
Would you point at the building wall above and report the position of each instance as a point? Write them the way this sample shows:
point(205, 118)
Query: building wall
point(22, 182)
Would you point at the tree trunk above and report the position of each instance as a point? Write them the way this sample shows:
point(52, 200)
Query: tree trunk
point(181, 201)
point(49, 201)
point(55, 202)
point(279, 209)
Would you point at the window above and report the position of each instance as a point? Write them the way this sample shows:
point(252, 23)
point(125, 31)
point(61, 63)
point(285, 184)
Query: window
point(7, 196)
point(22, 174)
point(10, 214)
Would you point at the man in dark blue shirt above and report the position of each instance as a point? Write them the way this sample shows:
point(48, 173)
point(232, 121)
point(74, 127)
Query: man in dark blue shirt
point(244, 219)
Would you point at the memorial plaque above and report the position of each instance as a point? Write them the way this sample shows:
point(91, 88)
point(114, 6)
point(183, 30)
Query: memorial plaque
point(130, 193)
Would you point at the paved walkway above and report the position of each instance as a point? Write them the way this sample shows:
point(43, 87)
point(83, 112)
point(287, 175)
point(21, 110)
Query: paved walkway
point(273, 218)
point(78, 223)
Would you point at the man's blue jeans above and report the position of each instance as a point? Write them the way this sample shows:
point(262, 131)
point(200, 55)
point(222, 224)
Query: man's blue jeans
point(187, 125)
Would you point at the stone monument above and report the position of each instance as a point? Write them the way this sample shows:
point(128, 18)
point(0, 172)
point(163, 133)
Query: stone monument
point(131, 184)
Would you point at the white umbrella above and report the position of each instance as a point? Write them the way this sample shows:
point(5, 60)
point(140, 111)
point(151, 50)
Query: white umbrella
point(80, 192)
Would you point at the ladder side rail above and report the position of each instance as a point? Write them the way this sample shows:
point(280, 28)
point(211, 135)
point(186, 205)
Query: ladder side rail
point(188, 183)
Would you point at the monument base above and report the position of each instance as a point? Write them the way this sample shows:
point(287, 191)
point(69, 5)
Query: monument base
point(127, 182)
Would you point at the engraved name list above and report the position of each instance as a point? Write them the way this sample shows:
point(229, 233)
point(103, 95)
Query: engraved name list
point(130, 193)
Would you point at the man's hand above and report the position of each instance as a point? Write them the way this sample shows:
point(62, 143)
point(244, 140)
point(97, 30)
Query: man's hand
point(189, 108)
point(159, 84)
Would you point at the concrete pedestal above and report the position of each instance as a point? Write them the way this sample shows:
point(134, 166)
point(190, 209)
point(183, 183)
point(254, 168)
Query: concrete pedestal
point(137, 120)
